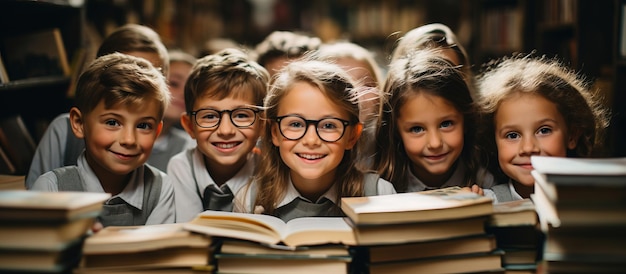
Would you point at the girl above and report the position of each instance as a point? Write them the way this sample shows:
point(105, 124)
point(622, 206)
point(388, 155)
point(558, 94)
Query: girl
point(426, 136)
point(535, 106)
point(310, 144)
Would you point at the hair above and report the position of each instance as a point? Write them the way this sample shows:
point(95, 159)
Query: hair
point(177, 55)
point(119, 78)
point(285, 43)
point(435, 35)
point(423, 72)
point(273, 174)
point(569, 91)
point(356, 52)
point(133, 37)
point(227, 73)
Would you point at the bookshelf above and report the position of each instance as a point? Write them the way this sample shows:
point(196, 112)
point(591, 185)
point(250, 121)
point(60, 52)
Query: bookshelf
point(618, 129)
point(38, 99)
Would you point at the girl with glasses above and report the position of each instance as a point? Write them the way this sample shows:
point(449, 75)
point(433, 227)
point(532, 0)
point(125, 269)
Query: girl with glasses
point(310, 146)
point(223, 96)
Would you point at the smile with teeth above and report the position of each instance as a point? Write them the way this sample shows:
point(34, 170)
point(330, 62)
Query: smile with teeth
point(226, 145)
point(311, 156)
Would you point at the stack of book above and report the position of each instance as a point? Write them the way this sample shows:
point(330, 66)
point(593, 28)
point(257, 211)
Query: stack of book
point(164, 248)
point(253, 243)
point(437, 231)
point(515, 226)
point(581, 204)
point(44, 231)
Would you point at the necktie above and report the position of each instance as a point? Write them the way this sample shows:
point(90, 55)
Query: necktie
point(218, 199)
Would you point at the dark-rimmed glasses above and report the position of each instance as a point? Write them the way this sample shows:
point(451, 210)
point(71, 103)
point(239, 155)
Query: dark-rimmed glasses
point(211, 118)
point(294, 127)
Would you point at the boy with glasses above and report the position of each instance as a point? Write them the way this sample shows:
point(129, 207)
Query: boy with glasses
point(223, 96)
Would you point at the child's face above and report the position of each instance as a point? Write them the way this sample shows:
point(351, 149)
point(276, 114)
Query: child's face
point(312, 161)
point(179, 72)
point(526, 125)
point(120, 139)
point(431, 130)
point(225, 146)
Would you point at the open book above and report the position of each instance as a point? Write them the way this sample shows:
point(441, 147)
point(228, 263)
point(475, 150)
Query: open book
point(272, 230)
point(433, 205)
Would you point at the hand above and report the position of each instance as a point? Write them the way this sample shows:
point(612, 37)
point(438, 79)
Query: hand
point(476, 189)
point(97, 226)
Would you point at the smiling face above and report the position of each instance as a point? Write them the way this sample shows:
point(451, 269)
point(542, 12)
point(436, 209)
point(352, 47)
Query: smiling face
point(120, 139)
point(431, 130)
point(526, 125)
point(226, 146)
point(312, 161)
point(179, 72)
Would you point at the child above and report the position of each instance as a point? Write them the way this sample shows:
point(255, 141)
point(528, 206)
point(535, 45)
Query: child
point(281, 47)
point(436, 35)
point(59, 147)
point(310, 145)
point(120, 100)
point(535, 106)
point(426, 138)
point(362, 67)
point(222, 99)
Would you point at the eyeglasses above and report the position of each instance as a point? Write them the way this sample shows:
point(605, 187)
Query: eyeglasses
point(294, 127)
point(210, 118)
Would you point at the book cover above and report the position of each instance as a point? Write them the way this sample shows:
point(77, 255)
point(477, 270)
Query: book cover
point(415, 250)
point(413, 232)
point(514, 213)
point(229, 264)
point(52, 236)
point(35, 54)
point(254, 249)
point(40, 261)
point(35, 206)
point(433, 205)
point(148, 260)
point(465, 263)
point(272, 230)
point(130, 239)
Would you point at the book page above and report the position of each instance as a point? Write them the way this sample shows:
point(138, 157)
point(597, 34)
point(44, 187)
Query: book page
point(318, 230)
point(579, 166)
point(254, 227)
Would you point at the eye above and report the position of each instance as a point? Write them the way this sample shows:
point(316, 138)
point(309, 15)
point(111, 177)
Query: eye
point(512, 135)
point(295, 124)
point(416, 129)
point(544, 131)
point(328, 124)
point(242, 115)
point(446, 124)
point(209, 116)
point(145, 126)
point(111, 122)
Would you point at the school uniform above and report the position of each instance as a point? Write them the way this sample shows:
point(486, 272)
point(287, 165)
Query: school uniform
point(195, 189)
point(502, 193)
point(147, 199)
point(293, 205)
point(414, 184)
point(59, 147)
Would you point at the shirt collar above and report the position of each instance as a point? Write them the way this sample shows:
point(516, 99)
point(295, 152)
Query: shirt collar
point(292, 193)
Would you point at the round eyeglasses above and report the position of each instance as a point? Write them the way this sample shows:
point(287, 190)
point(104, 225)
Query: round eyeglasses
point(294, 127)
point(211, 118)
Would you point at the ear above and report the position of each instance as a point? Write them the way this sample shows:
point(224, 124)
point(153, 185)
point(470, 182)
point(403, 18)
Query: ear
point(276, 136)
point(159, 129)
point(188, 124)
point(356, 134)
point(572, 139)
point(77, 122)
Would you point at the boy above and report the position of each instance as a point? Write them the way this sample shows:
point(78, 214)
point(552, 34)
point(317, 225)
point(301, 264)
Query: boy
point(59, 147)
point(222, 99)
point(120, 101)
